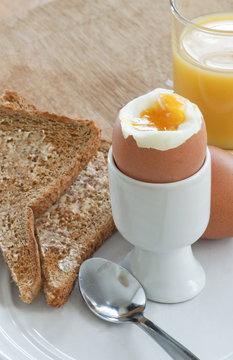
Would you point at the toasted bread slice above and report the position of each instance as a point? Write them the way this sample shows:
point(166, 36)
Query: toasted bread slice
point(73, 228)
point(41, 155)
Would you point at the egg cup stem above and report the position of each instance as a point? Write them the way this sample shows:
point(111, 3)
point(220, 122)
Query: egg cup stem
point(162, 221)
point(169, 277)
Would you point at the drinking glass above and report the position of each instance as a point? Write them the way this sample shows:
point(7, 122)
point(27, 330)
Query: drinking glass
point(202, 48)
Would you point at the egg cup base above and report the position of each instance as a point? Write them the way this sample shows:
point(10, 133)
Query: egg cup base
point(169, 277)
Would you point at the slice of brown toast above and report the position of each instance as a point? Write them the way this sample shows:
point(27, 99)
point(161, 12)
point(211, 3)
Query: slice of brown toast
point(40, 156)
point(73, 228)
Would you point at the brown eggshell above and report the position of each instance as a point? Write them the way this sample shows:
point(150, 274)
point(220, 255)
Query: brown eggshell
point(221, 214)
point(156, 166)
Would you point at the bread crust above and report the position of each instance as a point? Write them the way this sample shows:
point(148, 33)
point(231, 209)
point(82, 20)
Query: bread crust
point(30, 292)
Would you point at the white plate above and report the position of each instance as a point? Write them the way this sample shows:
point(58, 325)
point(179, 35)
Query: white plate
point(203, 324)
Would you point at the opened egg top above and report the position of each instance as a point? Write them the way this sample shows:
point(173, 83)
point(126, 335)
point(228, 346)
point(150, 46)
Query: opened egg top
point(159, 137)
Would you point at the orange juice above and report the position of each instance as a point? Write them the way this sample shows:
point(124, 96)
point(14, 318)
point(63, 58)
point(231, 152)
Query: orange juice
point(203, 73)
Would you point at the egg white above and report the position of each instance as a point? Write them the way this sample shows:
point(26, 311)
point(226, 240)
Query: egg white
point(153, 138)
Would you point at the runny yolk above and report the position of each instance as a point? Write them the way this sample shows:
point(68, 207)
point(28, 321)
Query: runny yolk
point(165, 115)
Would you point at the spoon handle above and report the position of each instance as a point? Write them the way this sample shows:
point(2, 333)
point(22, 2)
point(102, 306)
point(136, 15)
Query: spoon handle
point(170, 345)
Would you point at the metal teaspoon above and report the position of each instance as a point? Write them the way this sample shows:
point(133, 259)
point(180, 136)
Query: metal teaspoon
point(113, 294)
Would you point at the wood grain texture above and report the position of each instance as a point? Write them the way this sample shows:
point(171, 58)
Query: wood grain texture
point(17, 7)
point(87, 59)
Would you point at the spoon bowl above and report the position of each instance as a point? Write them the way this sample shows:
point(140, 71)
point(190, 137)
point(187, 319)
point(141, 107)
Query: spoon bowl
point(114, 295)
point(110, 291)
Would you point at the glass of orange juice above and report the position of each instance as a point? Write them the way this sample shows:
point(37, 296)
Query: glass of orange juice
point(202, 47)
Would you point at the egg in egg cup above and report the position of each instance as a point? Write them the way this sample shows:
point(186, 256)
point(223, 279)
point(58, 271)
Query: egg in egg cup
point(163, 210)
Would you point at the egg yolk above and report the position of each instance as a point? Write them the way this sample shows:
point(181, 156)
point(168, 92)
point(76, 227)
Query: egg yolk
point(166, 114)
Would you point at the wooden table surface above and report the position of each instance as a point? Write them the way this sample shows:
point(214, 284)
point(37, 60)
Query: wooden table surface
point(17, 7)
point(84, 58)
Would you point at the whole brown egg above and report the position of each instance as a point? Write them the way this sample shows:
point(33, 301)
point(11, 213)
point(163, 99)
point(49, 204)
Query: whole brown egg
point(221, 214)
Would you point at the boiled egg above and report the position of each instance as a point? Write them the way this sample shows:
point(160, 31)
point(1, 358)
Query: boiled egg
point(159, 137)
point(221, 211)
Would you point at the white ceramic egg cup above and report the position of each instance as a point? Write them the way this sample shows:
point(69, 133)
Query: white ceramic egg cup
point(162, 221)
